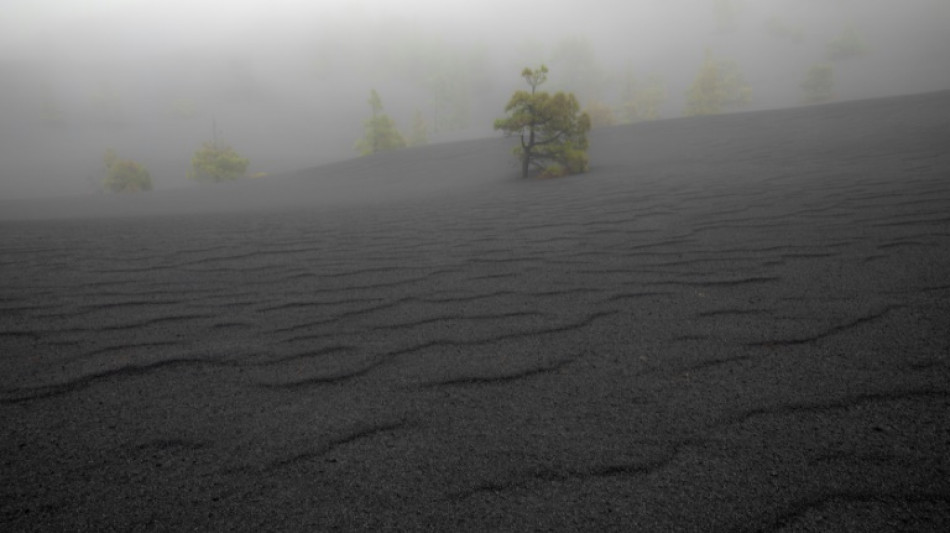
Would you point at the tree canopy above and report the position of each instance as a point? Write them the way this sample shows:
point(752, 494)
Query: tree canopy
point(641, 101)
point(379, 131)
point(214, 163)
point(719, 84)
point(552, 129)
point(419, 135)
point(124, 175)
point(819, 83)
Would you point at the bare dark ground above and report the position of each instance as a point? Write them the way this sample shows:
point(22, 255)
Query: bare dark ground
point(737, 323)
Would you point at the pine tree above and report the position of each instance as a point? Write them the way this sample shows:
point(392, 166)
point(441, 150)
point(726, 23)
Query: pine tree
point(819, 84)
point(707, 93)
point(552, 129)
point(718, 85)
point(420, 131)
point(379, 131)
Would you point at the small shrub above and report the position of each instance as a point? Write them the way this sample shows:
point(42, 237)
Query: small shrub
point(214, 163)
point(124, 175)
point(819, 83)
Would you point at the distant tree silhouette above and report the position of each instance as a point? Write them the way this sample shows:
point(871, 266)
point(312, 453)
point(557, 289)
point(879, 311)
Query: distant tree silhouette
point(420, 131)
point(379, 131)
point(124, 175)
point(719, 84)
point(214, 162)
point(819, 83)
point(639, 102)
point(552, 129)
point(577, 68)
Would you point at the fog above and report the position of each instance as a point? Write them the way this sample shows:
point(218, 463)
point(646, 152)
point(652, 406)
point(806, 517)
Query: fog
point(287, 81)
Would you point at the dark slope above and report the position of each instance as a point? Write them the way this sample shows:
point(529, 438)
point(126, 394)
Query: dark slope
point(732, 323)
point(681, 147)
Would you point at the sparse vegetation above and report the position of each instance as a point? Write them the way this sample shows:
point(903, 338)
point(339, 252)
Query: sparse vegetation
point(738, 93)
point(379, 131)
point(214, 162)
point(124, 175)
point(819, 83)
point(640, 102)
point(718, 85)
point(552, 129)
point(420, 131)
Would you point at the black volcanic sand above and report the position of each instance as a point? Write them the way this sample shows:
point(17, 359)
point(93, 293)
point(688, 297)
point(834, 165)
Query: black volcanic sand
point(731, 323)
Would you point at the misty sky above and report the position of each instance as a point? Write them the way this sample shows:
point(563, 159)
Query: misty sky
point(287, 80)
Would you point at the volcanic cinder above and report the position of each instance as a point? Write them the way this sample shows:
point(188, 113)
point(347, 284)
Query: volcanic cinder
point(730, 323)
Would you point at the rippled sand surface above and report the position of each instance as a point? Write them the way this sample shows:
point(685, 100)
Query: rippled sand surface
point(733, 323)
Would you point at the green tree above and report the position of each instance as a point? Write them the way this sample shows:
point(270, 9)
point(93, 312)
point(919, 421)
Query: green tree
point(819, 83)
point(552, 129)
point(214, 162)
point(420, 131)
point(719, 84)
point(379, 131)
point(639, 102)
point(707, 93)
point(124, 175)
point(737, 91)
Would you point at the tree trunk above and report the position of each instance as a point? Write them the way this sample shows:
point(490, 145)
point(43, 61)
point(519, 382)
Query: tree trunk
point(526, 152)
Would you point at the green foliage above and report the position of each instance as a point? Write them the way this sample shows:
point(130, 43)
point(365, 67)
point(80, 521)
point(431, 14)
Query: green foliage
point(718, 85)
point(738, 93)
point(552, 129)
point(447, 72)
point(213, 163)
point(707, 93)
point(779, 28)
point(848, 44)
point(819, 83)
point(420, 131)
point(124, 175)
point(641, 102)
point(451, 99)
point(379, 131)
